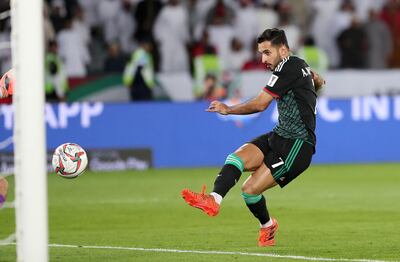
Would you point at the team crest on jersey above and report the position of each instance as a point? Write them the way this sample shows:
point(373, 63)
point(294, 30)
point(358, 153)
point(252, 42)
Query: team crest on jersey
point(272, 80)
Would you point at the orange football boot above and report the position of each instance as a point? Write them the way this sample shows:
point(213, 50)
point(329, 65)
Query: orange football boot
point(201, 201)
point(267, 234)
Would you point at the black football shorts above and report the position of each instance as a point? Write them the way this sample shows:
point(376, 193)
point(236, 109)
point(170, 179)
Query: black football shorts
point(286, 158)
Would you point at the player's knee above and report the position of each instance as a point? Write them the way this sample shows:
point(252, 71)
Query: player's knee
point(251, 156)
point(249, 189)
point(235, 160)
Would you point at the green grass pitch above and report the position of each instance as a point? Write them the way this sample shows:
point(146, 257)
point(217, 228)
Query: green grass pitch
point(330, 211)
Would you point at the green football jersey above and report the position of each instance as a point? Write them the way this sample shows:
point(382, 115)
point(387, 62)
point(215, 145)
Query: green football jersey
point(292, 86)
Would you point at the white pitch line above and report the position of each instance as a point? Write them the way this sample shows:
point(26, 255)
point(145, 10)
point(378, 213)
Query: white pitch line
point(8, 240)
point(212, 252)
point(8, 205)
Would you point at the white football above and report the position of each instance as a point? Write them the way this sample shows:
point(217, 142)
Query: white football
point(69, 160)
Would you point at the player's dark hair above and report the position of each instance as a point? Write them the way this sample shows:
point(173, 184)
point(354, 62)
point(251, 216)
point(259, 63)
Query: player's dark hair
point(276, 36)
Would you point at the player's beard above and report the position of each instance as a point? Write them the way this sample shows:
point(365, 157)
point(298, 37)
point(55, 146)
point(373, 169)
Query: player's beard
point(278, 60)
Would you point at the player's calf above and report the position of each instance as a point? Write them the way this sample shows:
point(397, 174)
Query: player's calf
point(227, 177)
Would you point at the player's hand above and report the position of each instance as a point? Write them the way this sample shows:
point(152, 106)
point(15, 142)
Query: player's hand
point(319, 82)
point(3, 92)
point(7, 84)
point(219, 107)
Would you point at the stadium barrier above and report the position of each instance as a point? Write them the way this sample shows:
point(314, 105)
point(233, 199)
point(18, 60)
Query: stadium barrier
point(361, 129)
point(179, 86)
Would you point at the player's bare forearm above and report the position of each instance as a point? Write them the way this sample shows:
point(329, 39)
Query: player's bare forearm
point(255, 105)
point(249, 107)
point(319, 82)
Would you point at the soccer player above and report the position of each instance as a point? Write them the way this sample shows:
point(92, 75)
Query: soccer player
point(6, 89)
point(277, 157)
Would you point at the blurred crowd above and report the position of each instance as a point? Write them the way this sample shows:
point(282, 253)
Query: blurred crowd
point(209, 39)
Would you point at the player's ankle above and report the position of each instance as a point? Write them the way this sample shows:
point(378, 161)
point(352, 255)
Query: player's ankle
point(217, 197)
point(268, 224)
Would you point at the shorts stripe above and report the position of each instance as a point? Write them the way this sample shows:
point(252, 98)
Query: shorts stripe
point(290, 159)
point(297, 152)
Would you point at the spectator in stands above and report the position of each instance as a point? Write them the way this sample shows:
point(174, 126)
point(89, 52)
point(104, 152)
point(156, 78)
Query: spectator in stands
point(343, 17)
point(139, 72)
point(145, 16)
point(231, 78)
point(97, 49)
point(70, 6)
point(80, 25)
point(115, 60)
point(391, 16)
point(201, 47)
point(353, 46)
point(266, 16)
point(49, 33)
point(254, 63)
point(324, 11)
point(292, 30)
point(380, 42)
point(58, 14)
point(363, 8)
point(172, 35)
point(213, 90)
point(108, 11)
point(206, 63)
point(301, 14)
point(340, 21)
point(220, 29)
point(55, 78)
point(315, 57)
point(126, 25)
point(198, 10)
point(246, 24)
point(220, 13)
point(238, 56)
point(73, 51)
point(90, 9)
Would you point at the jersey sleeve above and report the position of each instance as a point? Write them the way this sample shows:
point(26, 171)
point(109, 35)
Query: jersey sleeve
point(282, 78)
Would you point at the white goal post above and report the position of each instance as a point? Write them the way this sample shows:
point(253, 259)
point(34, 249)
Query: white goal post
point(27, 42)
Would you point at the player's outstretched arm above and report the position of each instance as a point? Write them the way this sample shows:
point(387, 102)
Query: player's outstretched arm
point(255, 105)
point(319, 82)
